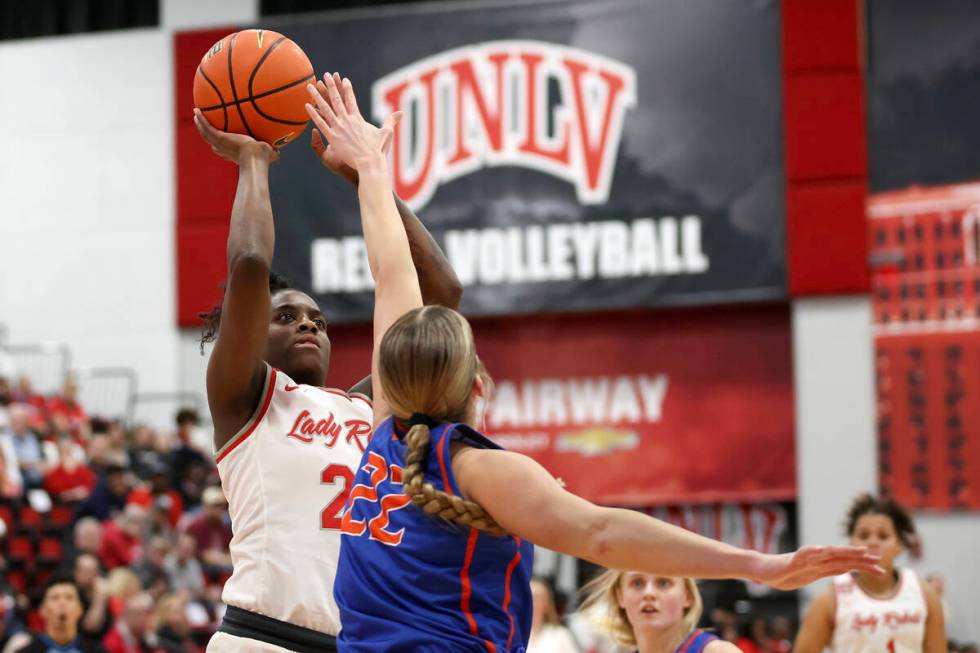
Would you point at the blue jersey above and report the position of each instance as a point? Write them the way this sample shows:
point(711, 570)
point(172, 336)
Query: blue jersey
point(409, 581)
point(696, 642)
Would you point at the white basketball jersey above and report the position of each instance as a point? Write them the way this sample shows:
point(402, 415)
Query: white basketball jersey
point(868, 625)
point(287, 474)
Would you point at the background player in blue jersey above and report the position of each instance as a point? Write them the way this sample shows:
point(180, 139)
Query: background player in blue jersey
point(456, 579)
point(650, 613)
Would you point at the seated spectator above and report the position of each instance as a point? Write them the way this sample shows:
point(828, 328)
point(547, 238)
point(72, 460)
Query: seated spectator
point(61, 610)
point(26, 447)
point(158, 486)
point(24, 394)
point(11, 482)
point(141, 451)
point(548, 635)
point(211, 530)
point(108, 495)
point(67, 405)
point(171, 626)
point(184, 568)
point(130, 633)
point(194, 482)
point(121, 585)
point(159, 518)
point(94, 594)
point(150, 566)
point(99, 452)
point(190, 433)
point(122, 538)
point(70, 480)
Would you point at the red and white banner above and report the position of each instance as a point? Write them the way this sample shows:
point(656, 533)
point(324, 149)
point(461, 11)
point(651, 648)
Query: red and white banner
point(638, 409)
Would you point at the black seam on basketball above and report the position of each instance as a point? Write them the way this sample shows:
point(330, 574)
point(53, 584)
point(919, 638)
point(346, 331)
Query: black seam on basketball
point(255, 106)
point(216, 90)
point(255, 69)
point(234, 93)
point(259, 96)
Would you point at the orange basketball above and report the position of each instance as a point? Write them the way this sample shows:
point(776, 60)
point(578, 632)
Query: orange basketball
point(254, 82)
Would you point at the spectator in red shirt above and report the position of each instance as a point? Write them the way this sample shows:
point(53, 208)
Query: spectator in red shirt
point(129, 634)
point(70, 480)
point(67, 405)
point(158, 486)
point(211, 530)
point(122, 538)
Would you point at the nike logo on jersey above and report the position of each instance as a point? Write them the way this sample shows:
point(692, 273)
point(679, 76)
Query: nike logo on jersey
point(290, 388)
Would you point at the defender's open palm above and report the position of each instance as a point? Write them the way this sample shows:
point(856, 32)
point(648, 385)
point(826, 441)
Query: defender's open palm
point(793, 570)
point(352, 140)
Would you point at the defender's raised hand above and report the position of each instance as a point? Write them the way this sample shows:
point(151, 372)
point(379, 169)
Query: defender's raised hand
point(351, 140)
point(232, 147)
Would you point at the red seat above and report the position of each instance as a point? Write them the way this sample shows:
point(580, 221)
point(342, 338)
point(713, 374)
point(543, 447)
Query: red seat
point(50, 550)
point(17, 580)
point(21, 549)
point(60, 516)
point(29, 520)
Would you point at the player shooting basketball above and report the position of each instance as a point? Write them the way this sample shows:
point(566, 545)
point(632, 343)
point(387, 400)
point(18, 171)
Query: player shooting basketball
point(286, 486)
point(458, 577)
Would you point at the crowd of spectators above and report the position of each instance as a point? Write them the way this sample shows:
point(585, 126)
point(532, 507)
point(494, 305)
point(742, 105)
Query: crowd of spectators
point(133, 521)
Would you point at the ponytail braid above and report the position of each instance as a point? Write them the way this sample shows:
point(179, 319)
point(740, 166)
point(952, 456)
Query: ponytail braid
point(435, 501)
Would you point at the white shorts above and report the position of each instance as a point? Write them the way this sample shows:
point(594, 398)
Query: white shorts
point(225, 643)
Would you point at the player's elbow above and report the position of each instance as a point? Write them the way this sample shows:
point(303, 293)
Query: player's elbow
point(249, 262)
point(597, 542)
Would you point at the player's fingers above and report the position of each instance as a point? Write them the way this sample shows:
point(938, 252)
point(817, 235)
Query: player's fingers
point(392, 120)
point(318, 120)
point(333, 94)
point(350, 101)
point(386, 139)
point(316, 141)
point(322, 107)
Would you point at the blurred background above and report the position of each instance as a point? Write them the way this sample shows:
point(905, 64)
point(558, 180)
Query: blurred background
point(721, 258)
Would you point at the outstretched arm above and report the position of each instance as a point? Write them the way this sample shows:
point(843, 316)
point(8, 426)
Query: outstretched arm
point(437, 279)
point(235, 370)
point(363, 147)
point(528, 502)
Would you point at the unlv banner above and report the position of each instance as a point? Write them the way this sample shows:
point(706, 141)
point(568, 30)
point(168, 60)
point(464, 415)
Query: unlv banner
point(678, 407)
point(577, 155)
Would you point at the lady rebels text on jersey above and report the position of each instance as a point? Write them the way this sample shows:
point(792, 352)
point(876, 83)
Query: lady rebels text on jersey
point(864, 624)
point(286, 475)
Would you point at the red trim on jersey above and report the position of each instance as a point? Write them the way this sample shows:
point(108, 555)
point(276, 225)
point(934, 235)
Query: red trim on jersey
point(442, 464)
point(465, 590)
point(506, 605)
point(258, 418)
point(690, 640)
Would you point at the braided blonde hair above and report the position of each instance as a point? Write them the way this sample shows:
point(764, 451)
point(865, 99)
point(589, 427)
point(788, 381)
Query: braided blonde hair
point(427, 364)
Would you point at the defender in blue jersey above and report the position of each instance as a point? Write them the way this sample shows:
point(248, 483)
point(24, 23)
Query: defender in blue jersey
point(414, 583)
point(650, 613)
point(425, 373)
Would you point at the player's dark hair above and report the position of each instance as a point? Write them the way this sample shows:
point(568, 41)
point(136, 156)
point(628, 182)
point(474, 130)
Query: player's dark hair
point(212, 318)
point(868, 504)
point(60, 579)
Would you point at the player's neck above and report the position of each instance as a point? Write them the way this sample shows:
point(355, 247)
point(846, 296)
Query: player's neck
point(879, 586)
point(657, 640)
point(63, 636)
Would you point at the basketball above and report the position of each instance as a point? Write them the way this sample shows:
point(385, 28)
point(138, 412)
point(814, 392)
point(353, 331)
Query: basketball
point(254, 82)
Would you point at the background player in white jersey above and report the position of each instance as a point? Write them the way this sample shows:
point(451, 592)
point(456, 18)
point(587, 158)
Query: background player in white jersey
point(861, 613)
point(285, 447)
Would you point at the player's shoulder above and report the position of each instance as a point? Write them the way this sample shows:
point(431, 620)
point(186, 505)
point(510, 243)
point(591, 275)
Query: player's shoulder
point(721, 646)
